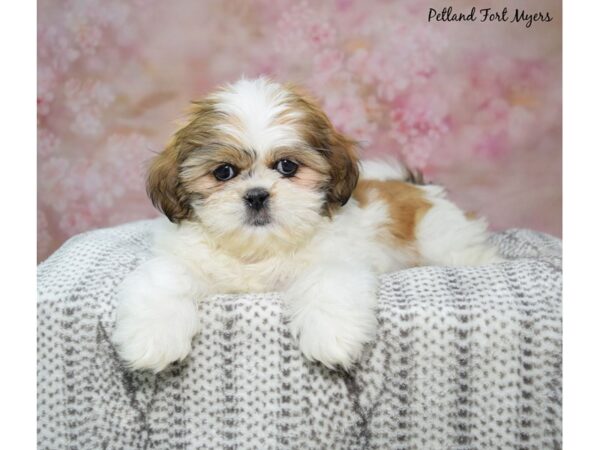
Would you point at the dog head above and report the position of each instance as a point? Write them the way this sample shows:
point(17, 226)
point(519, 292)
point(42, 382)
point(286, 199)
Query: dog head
point(258, 163)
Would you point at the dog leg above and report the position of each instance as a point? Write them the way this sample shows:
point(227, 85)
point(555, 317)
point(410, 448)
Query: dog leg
point(156, 314)
point(331, 312)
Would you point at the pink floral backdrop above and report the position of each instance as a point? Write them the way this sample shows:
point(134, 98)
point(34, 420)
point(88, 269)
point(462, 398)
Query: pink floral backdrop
point(476, 106)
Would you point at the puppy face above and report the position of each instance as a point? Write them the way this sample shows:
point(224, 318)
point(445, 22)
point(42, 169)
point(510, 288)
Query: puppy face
point(258, 164)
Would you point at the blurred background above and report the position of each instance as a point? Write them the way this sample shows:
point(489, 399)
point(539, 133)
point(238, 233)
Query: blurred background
point(476, 106)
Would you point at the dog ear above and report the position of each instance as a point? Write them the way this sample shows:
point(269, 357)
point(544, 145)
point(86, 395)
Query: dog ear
point(343, 159)
point(340, 151)
point(164, 187)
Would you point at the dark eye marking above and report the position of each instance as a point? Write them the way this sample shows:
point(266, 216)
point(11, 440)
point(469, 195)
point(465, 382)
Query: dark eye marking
point(225, 172)
point(286, 167)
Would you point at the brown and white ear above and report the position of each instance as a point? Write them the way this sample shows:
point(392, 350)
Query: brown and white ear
point(163, 185)
point(343, 159)
point(340, 151)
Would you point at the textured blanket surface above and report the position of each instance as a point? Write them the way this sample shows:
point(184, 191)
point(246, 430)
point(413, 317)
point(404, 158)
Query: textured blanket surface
point(465, 358)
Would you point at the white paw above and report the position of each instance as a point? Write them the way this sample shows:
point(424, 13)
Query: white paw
point(147, 348)
point(332, 315)
point(334, 339)
point(156, 317)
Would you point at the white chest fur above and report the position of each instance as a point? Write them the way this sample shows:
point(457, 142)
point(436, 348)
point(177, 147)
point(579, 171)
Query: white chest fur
point(354, 234)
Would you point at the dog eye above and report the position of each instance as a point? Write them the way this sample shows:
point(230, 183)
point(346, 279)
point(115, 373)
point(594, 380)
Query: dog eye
point(225, 172)
point(286, 167)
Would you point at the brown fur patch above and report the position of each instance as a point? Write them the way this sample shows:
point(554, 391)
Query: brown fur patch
point(164, 187)
point(345, 172)
point(407, 205)
point(340, 152)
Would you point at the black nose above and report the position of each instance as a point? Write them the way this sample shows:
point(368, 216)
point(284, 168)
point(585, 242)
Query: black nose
point(256, 198)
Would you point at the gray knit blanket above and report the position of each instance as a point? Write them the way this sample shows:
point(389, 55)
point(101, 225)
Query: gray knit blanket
point(465, 358)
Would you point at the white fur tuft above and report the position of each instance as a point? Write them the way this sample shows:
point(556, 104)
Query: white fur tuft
point(331, 311)
point(445, 236)
point(383, 170)
point(156, 315)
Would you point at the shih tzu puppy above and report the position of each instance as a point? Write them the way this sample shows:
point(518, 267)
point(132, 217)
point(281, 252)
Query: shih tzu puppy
point(264, 194)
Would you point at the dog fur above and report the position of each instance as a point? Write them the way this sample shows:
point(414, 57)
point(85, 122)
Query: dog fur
point(321, 235)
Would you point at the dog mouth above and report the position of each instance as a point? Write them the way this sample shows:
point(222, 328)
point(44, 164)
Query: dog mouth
point(258, 218)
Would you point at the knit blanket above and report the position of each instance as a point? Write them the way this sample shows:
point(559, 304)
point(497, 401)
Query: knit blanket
point(465, 358)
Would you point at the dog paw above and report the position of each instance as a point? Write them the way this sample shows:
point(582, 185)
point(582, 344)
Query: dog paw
point(152, 346)
point(156, 317)
point(331, 312)
point(334, 337)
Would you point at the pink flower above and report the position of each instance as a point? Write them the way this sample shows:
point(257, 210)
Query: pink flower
point(87, 123)
point(46, 86)
point(349, 114)
point(89, 38)
point(65, 182)
point(48, 144)
point(492, 146)
point(127, 156)
point(302, 30)
point(87, 102)
point(55, 45)
point(328, 66)
point(418, 125)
